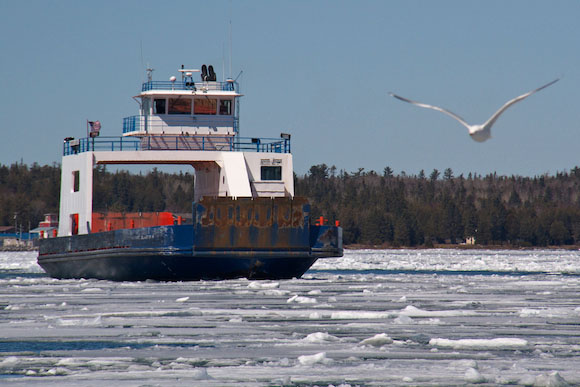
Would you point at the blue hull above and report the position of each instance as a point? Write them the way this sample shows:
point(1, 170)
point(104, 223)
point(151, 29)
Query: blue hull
point(163, 253)
point(265, 244)
point(139, 266)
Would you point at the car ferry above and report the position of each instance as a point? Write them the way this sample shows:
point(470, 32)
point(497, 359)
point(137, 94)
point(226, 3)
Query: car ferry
point(246, 221)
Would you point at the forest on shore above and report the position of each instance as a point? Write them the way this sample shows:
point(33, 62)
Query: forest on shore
point(381, 209)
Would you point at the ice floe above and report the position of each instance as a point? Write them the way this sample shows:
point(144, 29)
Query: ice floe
point(377, 340)
point(317, 358)
point(320, 337)
point(302, 300)
point(497, 343)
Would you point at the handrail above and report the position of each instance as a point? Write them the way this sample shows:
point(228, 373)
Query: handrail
point(176, 143)
point(139, 123)
point(187, 85)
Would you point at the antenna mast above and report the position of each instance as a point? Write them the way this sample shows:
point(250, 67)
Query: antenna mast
point(230, 75)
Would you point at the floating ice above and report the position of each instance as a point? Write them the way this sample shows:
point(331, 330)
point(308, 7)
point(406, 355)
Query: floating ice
point(57, 371)
point(199, 374)
point(302, 300)
point(403, 319)
point(320, 337)
point(245, 332)
point(412, 311)
point(314, 359)
point(473, 376)
point(548, 312)
point(377, 340)
point(79, 321)
point(359, 315)
point(9, 362)
point(551, 380)
point(498, 343)
point(92, 290)
point(464, 363)
point(263, 285)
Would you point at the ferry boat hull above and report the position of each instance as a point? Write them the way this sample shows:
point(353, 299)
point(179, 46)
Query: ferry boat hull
point(216, 247)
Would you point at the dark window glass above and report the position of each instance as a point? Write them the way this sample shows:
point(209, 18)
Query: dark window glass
point(225, 107)
point(76, 182)
point(271, 173)
point(159, 106)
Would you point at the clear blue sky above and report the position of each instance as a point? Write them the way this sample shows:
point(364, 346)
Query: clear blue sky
point(320, 70)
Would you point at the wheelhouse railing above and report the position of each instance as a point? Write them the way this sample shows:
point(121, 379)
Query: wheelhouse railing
point(143, 124)
point(187, 85)
point(176, 143)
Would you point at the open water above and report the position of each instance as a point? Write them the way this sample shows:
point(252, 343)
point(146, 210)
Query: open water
point(370, 318)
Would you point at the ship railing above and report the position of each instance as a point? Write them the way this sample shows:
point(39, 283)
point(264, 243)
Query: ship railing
point(176, 143)
point(89, 144)
point(188, 85)
point(154, 124)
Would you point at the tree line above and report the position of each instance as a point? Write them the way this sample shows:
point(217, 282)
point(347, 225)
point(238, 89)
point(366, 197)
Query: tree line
point(27, 193)
point(373, 209)
point(421, 210)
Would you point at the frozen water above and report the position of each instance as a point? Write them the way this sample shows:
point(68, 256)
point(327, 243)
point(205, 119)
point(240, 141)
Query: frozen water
point(377, 340)
point(370, 318)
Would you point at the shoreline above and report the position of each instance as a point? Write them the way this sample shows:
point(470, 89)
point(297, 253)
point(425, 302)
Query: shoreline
point(19, 248)
point(390, 247)
point(459, 247)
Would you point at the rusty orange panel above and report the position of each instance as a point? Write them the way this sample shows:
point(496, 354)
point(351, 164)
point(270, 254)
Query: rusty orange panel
point(259, 223)
point(299, 211)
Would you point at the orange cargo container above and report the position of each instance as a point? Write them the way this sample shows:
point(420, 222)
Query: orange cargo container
point(120, 220)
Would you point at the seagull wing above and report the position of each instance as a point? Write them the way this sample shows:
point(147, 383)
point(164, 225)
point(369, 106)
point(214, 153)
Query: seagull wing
point(424, 105)
point(495, 116)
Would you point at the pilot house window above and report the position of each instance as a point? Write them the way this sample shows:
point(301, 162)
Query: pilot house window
point(271, 173)
point(225, 107)
point(179, 106)
point(205, 106)
point(159, 106)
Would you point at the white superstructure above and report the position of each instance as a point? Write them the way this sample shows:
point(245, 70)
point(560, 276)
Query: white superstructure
point(179, 122)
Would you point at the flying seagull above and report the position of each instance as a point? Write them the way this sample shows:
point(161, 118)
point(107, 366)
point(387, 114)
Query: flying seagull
point(482, 132)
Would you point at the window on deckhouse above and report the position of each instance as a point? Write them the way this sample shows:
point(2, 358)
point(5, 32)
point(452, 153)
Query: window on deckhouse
point(271, 173)
point(225, 107)
point(205, 106)
point(179, 106)
point(159, 106)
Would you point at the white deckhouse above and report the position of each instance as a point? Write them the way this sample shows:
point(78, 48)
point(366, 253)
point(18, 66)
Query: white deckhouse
point(180, 121)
